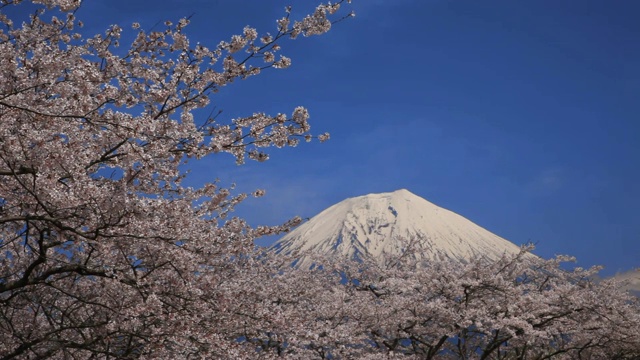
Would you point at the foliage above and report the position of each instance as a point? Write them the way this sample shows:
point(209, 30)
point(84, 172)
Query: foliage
point(104, 251)
point(519, 307)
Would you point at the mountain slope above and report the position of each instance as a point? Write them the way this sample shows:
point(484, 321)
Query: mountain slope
point(631, 280)
point(371, 225)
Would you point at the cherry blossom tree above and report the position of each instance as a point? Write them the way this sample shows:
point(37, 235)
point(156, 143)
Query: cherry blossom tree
point(519, 307)
point(104, 253)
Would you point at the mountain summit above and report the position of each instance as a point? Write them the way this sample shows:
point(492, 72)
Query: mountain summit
point(374, 224)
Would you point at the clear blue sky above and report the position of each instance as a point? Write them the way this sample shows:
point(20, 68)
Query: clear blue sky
point(519, 115)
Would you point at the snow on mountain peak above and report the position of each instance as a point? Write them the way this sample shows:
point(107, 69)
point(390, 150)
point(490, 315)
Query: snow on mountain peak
point(371, 225)
point(630, 280)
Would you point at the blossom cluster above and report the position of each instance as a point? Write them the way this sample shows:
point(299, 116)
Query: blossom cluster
point(104, 253)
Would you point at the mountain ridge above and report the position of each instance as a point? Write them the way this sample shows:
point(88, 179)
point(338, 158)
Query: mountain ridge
point(630, 280)
point(376, 224)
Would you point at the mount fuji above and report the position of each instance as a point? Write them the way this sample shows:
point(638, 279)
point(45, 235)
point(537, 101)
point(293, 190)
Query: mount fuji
point(631, 280)
point(372, 225)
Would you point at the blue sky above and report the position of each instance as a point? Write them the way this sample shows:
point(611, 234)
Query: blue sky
point(519, 115)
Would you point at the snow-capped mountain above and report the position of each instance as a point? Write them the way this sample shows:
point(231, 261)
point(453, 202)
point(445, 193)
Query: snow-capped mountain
point(372, 225)
point(630, 280)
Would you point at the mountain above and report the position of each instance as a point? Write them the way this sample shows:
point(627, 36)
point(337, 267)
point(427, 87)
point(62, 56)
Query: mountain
point(372, 225)
point(631, 280)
